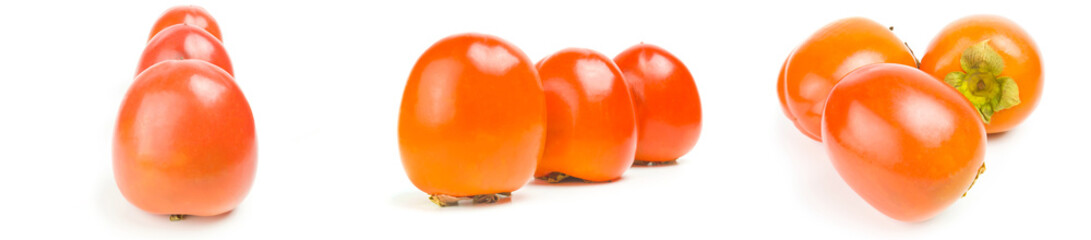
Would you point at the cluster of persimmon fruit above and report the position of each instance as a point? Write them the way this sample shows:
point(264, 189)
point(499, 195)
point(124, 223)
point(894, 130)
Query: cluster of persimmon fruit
point(909, 136)
point(478, 119)
point(184, 143)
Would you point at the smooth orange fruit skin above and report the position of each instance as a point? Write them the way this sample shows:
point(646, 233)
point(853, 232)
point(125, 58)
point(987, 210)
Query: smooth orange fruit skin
point(591, 128)
point(1021, 59)
point(829, 54)
point(780, 91)
point(907, 144)
point(473, 117)
point(184, 42)
point(191, 15)
point(668, 109)
point(185, 141)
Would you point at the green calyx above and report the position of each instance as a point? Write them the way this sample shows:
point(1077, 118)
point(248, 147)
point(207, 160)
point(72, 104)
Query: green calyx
point(981, 82)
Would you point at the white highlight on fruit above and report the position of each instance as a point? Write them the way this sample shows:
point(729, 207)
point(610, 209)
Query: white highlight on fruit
point(926, 119)
point(197, 45)
point(207, 90)
point(658, 67)
point(871, 130)
point(596, 77)
point(493, 60)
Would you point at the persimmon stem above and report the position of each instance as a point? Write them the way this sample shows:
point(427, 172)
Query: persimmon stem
point(914, 55)
point(444, 200)
point(554, 177)
point(911, 53)
point(177, 217)
point(559, 177)
point(980, 171)
point(654, 163)
point(981, 82)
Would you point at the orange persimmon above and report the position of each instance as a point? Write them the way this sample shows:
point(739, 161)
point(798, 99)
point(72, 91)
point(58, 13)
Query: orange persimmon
point(993, 63)
point(668, 109)
point(591, 128)
point(185, 42)
point(829, 54)
point(473, 119)
point(189, 15)
point(907, 144)
point(185, 142)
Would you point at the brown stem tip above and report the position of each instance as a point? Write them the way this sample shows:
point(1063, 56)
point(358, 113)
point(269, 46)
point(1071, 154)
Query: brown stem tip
point(177, 217)
point(557, 177)
point(654, 163)
point(444, 200)
point(980, 171)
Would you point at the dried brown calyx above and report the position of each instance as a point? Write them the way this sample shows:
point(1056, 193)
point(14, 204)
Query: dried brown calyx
point(654, 163)
point(444, 200)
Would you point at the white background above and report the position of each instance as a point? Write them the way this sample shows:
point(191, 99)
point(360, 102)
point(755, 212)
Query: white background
point(324, 80)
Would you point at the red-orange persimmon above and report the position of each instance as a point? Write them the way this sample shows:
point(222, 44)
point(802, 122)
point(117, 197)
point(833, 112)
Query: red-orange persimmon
point(829, 54)
point(184, 42)
point(591, 129)
point(906, 143)
point(994, 63)
point(185, 142)
point(668, 109)
point(190, 15)
point(473, 119)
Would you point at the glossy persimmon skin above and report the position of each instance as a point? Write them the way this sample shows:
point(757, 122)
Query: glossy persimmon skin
point(185, 141)
point(184, 42)
point(591, 126)
point(829, 54)
point(190, 15)
point(1021, 57)
point(907, 144)
point(780, 91)
point(668, 108)
point(473, 118)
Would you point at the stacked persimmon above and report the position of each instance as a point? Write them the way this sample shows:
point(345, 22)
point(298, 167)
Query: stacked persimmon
point(185, 142)
point(478, 120)
point(910, 137)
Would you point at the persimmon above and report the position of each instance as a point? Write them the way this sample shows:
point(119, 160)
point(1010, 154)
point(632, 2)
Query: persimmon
point(826, 56)
point(591, 127)
point(190, 15)
point(907, 144)
point(473, 120)
point(185, 141)
point(668, 108)
point(184, 41)
point(994, 63)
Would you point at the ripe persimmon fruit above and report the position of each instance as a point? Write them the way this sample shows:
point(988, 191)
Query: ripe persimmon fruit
point(907, 144)
point(824, 58)
point(994, 63)
point(668, 108)
point(189, 15)
point(473, 120)
point(183, 41)
point(185, 141)
point(591, 127)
